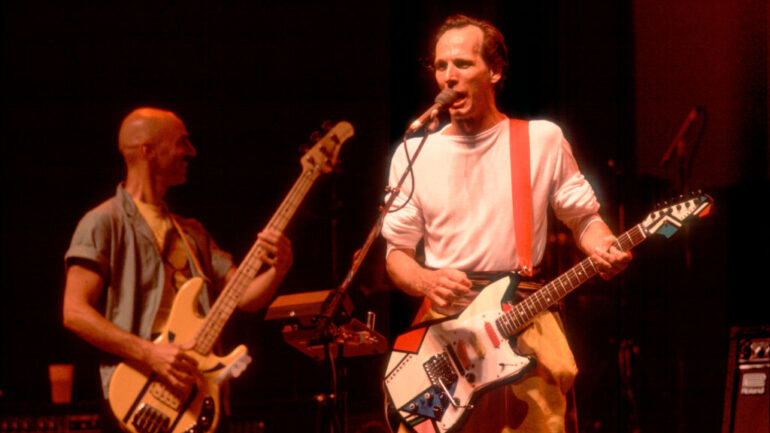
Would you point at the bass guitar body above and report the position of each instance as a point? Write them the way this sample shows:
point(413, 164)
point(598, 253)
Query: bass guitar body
point(437, 370)
point(143, 404)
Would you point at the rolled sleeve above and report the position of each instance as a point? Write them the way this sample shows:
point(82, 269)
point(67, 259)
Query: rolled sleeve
point(91, 242)
point(574, 201)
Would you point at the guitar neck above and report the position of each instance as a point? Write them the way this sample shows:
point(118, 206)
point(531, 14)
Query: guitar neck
point(227, 301)
point(515, 319)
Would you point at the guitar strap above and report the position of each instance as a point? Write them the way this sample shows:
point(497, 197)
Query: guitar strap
point(196, 268)
point(521, 191)
point(521, 198)
point(224, 391)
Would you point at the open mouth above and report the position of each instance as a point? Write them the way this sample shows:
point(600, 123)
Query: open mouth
point(460, 101)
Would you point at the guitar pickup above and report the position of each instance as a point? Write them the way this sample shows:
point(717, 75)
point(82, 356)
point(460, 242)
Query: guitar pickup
point(477, 346)
point(167, 396)
point(455, 359)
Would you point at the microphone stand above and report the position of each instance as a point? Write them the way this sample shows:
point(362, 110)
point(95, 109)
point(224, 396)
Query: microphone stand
point(338, 295)
point(332, 303)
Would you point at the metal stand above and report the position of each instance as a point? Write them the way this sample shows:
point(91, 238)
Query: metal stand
point(319, 323)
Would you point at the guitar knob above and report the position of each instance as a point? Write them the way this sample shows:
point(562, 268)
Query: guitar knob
point(437, 411)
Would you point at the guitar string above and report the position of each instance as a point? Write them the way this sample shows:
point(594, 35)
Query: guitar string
point(521, 314)
point(227, 301)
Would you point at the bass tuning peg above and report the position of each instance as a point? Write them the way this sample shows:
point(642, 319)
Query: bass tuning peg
point(327, 125)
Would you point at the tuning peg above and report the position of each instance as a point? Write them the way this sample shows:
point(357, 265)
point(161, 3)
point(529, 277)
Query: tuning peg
point(315, 136)
point(327, 125)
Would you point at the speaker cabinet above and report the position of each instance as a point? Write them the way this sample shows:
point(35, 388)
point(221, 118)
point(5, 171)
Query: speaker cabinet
point(747, 393)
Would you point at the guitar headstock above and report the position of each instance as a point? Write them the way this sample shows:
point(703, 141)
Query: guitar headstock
point(669, 217)
point(323, 154)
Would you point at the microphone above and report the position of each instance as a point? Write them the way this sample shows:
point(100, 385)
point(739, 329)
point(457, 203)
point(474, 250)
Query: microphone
point(680, 141)
point(442, 101)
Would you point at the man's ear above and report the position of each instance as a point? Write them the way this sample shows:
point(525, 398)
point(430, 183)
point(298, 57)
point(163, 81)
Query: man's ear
point(495, 75)
point(146, 149)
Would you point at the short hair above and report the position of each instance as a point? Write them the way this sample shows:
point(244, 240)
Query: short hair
point(493, 49)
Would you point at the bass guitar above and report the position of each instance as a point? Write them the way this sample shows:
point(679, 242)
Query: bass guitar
point(141, 402)
point(438, 370)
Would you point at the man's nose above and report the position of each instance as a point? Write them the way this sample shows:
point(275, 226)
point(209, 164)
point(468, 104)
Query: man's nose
point(450, 75)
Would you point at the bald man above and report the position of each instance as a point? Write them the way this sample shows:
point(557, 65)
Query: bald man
point(127, 257)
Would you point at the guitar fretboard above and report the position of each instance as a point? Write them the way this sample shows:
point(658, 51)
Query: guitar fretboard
point(227, 301)
point(515, 319)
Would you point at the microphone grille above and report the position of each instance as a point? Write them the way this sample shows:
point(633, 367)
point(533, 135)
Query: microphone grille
point(446, 97)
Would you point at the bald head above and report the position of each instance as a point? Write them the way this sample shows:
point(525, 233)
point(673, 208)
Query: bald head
point(146, 125)
point(156, 148)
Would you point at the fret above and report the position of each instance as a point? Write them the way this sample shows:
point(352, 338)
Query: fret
point(624, 242)
point(588, 270)
point(579, 274)
point(513, 319)
point(503, 325)
point(531, 312)
point(593, 266)
point(527, 305)
point(547, 289)
point(538, 301)
point(506, 325)
point(517, 321)
point(563, 287)
point(572, 285)
point(227, 301)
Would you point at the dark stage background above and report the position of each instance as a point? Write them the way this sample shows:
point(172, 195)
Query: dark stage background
point(252, 80)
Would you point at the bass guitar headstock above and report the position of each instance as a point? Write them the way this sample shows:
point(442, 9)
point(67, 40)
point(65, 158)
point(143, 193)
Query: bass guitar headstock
point(669, 217)
point(322, 155)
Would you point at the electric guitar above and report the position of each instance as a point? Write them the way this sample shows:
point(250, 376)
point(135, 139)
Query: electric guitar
point(141, 402)
point(438, 370)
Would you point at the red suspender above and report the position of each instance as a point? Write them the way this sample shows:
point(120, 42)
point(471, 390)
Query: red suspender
point(521, 189)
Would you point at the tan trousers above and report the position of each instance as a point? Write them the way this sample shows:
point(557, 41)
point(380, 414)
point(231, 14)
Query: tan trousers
point(538, 402)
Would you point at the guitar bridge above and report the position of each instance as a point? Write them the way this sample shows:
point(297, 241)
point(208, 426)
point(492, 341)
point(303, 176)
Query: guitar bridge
point(150, 420)
point(439, 370)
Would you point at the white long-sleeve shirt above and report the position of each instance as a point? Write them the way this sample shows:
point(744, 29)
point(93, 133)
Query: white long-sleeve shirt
point(462, 203)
